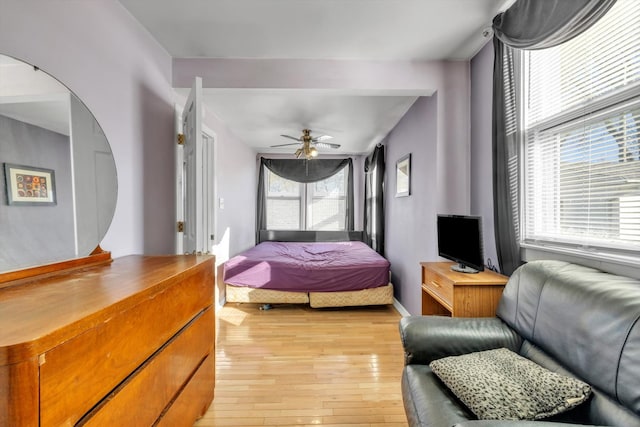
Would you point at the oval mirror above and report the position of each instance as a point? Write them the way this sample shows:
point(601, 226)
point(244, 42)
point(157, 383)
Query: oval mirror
point(59, 183)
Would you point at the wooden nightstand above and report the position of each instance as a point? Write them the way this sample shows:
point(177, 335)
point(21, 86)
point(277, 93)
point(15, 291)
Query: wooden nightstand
point(449, 293)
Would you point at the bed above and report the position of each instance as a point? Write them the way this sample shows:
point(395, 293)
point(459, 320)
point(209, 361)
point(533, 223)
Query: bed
point(323, 269)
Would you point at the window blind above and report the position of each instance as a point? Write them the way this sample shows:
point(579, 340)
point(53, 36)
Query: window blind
point(283, 202)
point(582, 138)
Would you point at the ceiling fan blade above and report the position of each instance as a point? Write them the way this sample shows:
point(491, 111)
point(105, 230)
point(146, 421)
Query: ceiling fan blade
point(285, 145)
point(291, 137)
point(327, 145)
point(322, 138)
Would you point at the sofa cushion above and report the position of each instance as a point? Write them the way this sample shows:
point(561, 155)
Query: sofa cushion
point(502, 385)
point(587, 320)
point(600, 409)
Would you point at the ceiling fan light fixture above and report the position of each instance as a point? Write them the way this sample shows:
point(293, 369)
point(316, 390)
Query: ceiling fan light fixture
point(310, 144)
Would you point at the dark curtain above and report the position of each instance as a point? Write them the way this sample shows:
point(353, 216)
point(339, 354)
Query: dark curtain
point(535, 24)
point(305, 171)
point(374, 200)
point(527, 24)
point(505, 148)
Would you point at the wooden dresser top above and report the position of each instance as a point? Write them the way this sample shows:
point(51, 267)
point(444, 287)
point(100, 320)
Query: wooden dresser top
point(486, 277)
point(36, 315)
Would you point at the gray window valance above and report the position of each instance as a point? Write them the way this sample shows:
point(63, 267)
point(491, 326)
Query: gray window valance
point(305, 170)
point(536, 24)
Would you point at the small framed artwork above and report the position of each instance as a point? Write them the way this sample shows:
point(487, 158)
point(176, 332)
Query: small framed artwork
point(403, 176)
point(29, 185)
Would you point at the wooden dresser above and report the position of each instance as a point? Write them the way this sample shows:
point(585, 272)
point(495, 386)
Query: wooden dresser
point(449, 293)
point(129, 343)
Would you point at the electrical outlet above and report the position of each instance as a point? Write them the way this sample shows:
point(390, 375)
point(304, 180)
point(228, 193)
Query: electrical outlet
point(221, 203)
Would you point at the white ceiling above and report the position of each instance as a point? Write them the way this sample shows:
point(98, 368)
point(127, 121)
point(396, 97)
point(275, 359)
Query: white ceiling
point(259, 117)
point(32, 96)
point(388, 30)
point(52, 114)
point(328, 29)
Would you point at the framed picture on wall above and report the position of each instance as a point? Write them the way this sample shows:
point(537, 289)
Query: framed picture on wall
point(403, 176)
point(29, 185)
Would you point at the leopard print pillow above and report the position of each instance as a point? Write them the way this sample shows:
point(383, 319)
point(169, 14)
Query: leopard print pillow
point(502, 385)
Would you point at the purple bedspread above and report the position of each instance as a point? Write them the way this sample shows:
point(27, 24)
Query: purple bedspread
point(308, 267)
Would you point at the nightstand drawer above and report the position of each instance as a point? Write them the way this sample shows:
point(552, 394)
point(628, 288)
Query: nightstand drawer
point(451, 293)
point(439, 285)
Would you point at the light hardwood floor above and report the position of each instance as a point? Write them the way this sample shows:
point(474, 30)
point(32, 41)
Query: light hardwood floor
point(298, 366)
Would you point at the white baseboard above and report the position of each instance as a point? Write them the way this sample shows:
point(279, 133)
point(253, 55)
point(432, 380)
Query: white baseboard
point(403, 311)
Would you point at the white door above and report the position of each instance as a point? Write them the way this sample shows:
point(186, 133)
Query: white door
point(195, 178)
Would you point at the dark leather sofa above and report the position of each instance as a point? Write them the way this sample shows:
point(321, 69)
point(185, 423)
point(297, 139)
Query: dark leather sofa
point(567, 318)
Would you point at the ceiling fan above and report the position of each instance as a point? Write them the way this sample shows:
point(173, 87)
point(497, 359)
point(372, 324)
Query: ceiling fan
point(310, 144)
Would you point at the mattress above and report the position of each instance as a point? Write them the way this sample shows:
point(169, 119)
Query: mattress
point(308, 267)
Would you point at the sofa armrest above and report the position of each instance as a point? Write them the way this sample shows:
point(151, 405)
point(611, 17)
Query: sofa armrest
point(427, 338)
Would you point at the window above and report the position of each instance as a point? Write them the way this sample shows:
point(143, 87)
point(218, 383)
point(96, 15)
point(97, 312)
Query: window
point(318, 205)
point(284, 202)
point(581, 126)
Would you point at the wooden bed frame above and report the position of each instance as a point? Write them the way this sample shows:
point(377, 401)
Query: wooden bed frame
point(382, 295)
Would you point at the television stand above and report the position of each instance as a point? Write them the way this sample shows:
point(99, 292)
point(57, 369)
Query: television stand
point(461, 268)
point(449, 293)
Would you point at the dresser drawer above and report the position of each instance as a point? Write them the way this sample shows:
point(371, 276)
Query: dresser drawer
point(194, 399)
point(150, 390)
point(438, 285)
point(82, 371)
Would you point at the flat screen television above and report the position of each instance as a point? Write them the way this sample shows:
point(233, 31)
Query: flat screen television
point(460, 240)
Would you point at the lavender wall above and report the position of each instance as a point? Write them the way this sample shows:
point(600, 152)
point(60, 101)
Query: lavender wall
point(453, 156)
point(236, 183)
point(481, 157)
point(28, 145)
point(124, 77)
point(436, 133)
point(410, 221)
